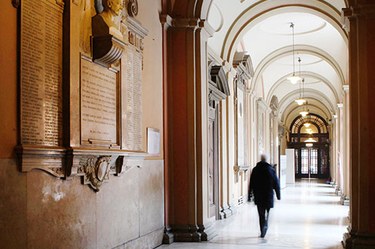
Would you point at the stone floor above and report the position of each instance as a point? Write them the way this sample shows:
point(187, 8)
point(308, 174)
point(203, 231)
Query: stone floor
point(308, 216)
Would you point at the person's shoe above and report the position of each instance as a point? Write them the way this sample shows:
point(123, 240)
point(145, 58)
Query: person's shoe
point(264, 232)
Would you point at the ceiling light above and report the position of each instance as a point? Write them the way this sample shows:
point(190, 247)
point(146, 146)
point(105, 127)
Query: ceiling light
point(307, 125)
point(304, 113)
point(294, 79)
point(309, 145)
point(310, 140)
point(300, 101)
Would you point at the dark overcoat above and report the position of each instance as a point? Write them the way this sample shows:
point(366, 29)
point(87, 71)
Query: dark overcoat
point(263, 182)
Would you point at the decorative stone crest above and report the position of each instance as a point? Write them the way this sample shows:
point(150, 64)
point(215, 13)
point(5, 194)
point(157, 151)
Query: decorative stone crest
point(96, 170)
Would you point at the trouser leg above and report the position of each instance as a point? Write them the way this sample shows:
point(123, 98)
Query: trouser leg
point(267, 214)
point(262, 218)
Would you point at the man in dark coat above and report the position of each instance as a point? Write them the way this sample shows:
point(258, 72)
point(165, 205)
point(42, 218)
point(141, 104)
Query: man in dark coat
point(263, 182)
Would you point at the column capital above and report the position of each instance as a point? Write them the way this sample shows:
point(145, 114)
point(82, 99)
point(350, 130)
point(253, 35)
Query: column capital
point(366, 9)
point(186, 23)
point(345, 88)
point(340, 105)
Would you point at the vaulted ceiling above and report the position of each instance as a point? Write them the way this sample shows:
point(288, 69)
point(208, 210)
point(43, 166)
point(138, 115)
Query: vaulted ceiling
point(262, 28)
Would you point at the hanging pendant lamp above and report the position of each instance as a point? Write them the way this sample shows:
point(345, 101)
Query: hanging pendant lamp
point(294, 78)
point(301, 100)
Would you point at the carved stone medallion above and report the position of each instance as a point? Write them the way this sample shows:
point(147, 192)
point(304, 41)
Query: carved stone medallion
point(96, 171)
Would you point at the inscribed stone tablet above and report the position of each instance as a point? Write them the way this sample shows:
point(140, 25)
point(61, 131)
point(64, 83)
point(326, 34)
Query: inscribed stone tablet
point(98, 104)
point(41, 72)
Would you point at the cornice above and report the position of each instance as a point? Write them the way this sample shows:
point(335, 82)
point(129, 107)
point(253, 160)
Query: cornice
point(367, 10)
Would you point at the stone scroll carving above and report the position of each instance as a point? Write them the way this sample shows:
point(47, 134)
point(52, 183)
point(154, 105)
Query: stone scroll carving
point(133, 8)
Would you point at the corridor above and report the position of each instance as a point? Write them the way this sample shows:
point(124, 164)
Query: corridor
point(308, 216)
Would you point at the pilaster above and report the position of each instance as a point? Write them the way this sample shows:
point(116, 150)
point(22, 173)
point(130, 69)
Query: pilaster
point(361, 15)
point(185, 101)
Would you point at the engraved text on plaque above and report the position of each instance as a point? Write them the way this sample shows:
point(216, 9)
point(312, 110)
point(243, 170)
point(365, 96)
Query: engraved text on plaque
point(98, 104)
point(41, 72)
point(132, 97)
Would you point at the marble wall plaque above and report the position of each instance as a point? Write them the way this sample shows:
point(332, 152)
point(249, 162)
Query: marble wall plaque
point(99, 98)
point(41, 72)
point(132, 97)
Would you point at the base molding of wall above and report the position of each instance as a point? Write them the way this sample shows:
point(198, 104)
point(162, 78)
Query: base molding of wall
point(225, 212)
point(147, 241)
point(344, 200)
point(355, 241)
point(207, 232)
point(188, 233)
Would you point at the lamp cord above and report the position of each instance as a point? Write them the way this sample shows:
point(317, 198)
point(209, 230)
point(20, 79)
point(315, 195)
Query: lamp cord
point(294, 63)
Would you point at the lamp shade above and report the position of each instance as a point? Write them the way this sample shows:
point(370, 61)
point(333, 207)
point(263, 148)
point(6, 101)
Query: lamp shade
point(300, 101)
point(294, 79)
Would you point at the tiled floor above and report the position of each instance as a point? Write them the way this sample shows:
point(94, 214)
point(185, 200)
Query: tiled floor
point(308, 216)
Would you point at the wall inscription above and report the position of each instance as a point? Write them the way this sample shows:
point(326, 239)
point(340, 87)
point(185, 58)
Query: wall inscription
point(41, 72)
point(98, 104)
point(132, 92)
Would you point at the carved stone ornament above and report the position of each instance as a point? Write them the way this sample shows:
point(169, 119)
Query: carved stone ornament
point(107, 38)
point(133, 8)
point(16, 3)
point(96, 170)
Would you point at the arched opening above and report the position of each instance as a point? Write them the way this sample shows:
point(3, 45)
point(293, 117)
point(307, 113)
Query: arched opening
point(309, 137)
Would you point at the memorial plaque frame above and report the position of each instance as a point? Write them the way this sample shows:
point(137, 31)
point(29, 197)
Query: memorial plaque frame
point(111, 141)
point(66, 150)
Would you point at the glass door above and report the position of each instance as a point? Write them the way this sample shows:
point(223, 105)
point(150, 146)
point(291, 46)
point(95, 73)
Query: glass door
point(308, 165)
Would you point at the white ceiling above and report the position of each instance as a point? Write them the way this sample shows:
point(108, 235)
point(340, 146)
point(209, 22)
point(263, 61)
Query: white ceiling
point(320, 44)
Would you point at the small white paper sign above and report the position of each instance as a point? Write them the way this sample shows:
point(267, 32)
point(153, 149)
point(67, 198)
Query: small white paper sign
point(153, 141)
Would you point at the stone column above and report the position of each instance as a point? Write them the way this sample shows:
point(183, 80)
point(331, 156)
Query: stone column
point(361, 15)
point(337, 152)
point(341, 148)
point(347, 144)
point(186, 100)
point(345, 147)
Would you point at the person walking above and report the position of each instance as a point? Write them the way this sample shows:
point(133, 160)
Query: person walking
point(263, 183)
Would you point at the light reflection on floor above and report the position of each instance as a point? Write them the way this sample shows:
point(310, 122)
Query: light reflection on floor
point(308, 216)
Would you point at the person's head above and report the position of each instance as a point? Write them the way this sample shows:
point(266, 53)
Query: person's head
point(263, 158)
point(114, 6)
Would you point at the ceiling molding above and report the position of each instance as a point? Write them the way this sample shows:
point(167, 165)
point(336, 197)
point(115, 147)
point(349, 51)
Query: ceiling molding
point(313, 75)
point(302, 49)
point(309, 94)
point(290, 114)
point(263, 9)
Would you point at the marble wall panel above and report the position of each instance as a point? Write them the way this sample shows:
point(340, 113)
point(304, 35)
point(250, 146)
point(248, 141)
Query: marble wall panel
point(13, 227)
point(60, 214)
point(40, 211)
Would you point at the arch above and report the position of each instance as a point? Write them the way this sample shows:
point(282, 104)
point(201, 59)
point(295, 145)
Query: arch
point(288, 50)
point(261, 10)
point(282, 80)
point(286, 115)
point(313, 118)
point(309, 93)
point(188, 9)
